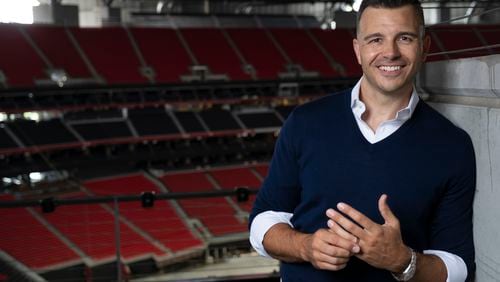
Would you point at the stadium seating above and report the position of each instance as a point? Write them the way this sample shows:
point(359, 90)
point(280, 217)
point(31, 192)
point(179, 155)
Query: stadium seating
point(6, 141)
point(189, 122)
point(91, 228)
point(259, 51)
point(218, 120)
point(112, 56)
point(302, 50)
point(29, 241)
point(163, 51)
point(490, 36)
point(237, 177)
point(152, 121)
point(55, 44)
point(224, 51)
point(32, 133)
point(460, 37)
point(216, 214)
point(103, 130)
point(338, 43)
point(160, 221)
point(18, 60)
point(262, 170)
point(212, 49)
point(260, 120)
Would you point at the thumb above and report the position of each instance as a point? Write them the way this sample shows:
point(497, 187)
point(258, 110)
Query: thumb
point(385, 211)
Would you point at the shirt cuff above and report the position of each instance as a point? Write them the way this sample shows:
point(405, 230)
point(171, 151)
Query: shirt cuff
point(261, 224)
point(455, 265)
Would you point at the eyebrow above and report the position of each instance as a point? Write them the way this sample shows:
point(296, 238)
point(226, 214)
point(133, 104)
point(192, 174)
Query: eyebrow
point(378, 34)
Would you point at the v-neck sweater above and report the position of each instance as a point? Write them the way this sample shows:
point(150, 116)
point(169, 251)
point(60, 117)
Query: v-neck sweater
point(427, 169)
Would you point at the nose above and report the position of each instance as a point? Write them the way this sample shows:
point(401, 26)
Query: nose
point(391, 51)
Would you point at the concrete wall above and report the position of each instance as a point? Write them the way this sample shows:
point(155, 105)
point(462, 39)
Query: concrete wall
point(467, 91)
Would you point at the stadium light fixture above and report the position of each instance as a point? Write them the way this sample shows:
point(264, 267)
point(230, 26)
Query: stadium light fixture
point(242, 194)
point(48, 205)
point(148, 199)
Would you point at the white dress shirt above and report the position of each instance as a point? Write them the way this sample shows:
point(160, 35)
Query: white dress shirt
point(455, 266)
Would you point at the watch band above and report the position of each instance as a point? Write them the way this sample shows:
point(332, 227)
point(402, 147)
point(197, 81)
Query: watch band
point(410, 270)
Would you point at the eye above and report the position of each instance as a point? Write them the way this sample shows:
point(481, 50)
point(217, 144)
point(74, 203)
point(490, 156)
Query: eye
point(406, 38)
point(375, 40)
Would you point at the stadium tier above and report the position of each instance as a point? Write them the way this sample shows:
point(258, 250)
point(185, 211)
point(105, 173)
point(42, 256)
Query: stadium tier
point(84, 234)
point(90, 128)
point(161, 55)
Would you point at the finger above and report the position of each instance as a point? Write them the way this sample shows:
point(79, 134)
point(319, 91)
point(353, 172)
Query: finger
point(331, 239)
point(332, 260)
point(386, 211)
point(346, 224)
point(335, 251)
point(332, 267)
point(341, 231)
point(356, 216)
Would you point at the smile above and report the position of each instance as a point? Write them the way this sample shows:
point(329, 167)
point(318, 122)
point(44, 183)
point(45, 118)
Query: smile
point(390, 68)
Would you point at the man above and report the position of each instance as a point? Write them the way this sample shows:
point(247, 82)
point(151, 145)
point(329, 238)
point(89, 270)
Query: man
point(371, 184)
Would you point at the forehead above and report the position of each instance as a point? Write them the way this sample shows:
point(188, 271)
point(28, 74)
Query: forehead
point(388, 20)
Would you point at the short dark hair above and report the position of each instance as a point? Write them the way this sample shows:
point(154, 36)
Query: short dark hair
point(392, 4)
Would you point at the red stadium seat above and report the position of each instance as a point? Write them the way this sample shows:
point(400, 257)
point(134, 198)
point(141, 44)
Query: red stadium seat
point(163, 51)
point(215, 213)
point(259, 51)
point(237, 177)
point(160, 221)
point(302, 50)
point(91, 228)
point(110, 51)
point(18, 60)
point(211, 48)
point(29, 241)
point(55, 44)
point(338, 43)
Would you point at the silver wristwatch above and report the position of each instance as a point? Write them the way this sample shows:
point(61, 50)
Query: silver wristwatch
point(410, 270)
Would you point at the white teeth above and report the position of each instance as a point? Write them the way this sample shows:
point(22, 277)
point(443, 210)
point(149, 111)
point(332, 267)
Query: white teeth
point(390, 68)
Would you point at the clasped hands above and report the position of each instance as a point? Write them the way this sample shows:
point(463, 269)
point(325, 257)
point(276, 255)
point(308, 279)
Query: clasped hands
point(351, 233)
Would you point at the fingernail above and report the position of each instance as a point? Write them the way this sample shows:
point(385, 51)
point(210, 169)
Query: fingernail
point(355, 249)
point(341, 206)
point(330, 212)
point(330, 223)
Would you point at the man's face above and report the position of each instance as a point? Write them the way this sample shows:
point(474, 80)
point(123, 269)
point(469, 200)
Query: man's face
point(389, 49)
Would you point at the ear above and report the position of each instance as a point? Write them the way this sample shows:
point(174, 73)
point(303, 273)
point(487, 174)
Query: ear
point(426, 47)
point(355, 45)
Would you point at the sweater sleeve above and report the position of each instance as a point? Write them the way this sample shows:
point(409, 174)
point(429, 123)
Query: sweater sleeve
point(451, 228)
point(281, 189)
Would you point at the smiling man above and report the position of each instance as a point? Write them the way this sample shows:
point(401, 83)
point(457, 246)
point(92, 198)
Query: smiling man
point(371, 184)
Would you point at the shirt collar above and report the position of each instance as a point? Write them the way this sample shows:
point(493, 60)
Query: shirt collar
point(402, 115)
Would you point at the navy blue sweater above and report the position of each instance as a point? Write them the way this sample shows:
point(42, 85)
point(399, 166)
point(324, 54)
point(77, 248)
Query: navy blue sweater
point(427, 169)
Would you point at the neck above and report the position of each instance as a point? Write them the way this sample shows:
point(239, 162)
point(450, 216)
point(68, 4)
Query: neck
point(382, 107)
